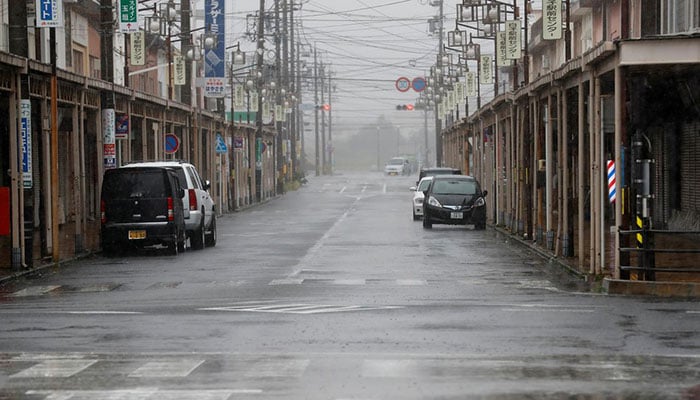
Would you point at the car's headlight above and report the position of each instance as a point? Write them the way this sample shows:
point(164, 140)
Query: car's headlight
point(434, 202)
point(418, 201)
point(480, 202)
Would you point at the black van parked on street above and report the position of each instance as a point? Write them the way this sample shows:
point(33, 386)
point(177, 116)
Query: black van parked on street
point(141, 207)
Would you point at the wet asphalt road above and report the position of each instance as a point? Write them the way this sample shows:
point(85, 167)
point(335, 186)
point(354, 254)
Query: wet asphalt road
point(334, 292)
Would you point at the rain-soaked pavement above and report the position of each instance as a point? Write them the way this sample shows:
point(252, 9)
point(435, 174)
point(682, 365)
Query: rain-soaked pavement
point(334, 292)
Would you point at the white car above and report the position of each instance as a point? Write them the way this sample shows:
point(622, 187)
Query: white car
point(199, 207)
point(417, 202)
point(397, 166)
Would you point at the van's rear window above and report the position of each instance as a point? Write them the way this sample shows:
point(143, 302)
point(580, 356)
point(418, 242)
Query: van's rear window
point(134, 184)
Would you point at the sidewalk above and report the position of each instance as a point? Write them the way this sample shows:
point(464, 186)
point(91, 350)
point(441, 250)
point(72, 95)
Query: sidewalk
point(609, 285)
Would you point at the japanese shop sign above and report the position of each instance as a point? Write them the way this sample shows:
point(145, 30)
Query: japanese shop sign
point(471, 84)
point(513, 40)
point(25, 115)
point(486, 70)
point(551, 20)
point(109, 145)
point(128, 16)
point(214, 58)
point(501, 49)
point(49, 13)
point(179, 70)
point(138, 48)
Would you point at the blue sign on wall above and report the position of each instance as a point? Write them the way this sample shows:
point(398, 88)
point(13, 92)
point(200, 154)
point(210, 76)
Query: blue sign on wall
point(26, 132)
point(48, 13)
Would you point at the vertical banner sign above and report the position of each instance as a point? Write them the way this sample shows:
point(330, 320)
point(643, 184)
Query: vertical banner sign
point(486, 72)
point(471, 84)
point(459, 92)
point(128, 16)
point(239, 96)
point(253, 102)
point(49, 13)
point(214, 58)
point(25, 116)
point(266, 111)
point(551, 20)
point(121, 126)
point(278, 113)
point(179, 70)
point(513, 49)
point(501, 49)
point(109, 144)
point(138, 48)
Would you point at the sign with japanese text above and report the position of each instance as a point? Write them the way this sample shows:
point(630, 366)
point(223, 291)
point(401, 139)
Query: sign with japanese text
point(459, 91)
point(49, 13)
point(215, 57)
point(215, 87)
point(25, 116)
point(128, 16)
point(138, 48)
point(109, 144)
point(253, 105)
point(551, 20)
point(501, 49)
point(486, 70)
point(471, 84)
point(179, 76)
point(513, 49)
point(239, 96)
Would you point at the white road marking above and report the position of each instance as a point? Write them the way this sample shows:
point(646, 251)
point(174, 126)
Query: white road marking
point(141, 394)
point(287, 281)
point(99, 312)
point(411, 282)
point(349, 282)
point(692, 312)
point(387, 368)
point(54, 369)
point(343, 189)
point(166, 369)
point(278, 368)
point(34, 291)
point(303, 309)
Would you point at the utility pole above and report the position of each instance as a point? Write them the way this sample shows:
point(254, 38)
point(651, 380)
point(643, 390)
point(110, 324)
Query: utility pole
point(258, 115)
point(322, 76)
point(330, 123)
point(294, 136)
point(279, 155)
point(438, 122)
point(318, 155)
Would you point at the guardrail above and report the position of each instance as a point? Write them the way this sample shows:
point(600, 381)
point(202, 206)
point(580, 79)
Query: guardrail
point(646, 252)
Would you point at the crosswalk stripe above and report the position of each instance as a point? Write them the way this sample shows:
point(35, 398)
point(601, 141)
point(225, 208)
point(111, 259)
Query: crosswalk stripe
point(166, 369)
point(34, 291)
point(55, 369)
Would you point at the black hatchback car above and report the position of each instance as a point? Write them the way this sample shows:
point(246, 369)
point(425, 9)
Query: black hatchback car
point(142, 206)
point(454, 200)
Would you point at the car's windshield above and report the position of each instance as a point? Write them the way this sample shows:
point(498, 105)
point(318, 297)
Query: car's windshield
point(424, 185)
point(457, 186)
point(396, 161)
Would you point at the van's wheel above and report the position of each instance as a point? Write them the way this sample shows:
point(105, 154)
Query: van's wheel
point(172, 248)
point(210, 238)
point(197, 238)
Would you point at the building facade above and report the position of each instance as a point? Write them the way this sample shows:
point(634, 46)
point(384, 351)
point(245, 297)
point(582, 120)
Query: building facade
point(593, 158)
point(52, 131)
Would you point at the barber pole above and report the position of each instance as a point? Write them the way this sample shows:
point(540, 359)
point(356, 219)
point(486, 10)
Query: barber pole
point(612, 192)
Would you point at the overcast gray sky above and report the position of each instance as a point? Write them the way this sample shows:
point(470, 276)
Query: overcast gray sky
point(369, 44)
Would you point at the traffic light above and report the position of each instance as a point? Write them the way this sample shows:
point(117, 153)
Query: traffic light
point(404, 107)
point(323, 107)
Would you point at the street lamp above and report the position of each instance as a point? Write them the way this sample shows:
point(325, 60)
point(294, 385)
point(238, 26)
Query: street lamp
point(161, 23)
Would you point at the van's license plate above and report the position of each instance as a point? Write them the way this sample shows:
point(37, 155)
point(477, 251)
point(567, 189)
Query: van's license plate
point(136, 235)
point(456, 215)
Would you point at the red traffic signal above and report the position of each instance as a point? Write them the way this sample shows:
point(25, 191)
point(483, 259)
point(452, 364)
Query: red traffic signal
point(405, 107)
point(324, 107)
